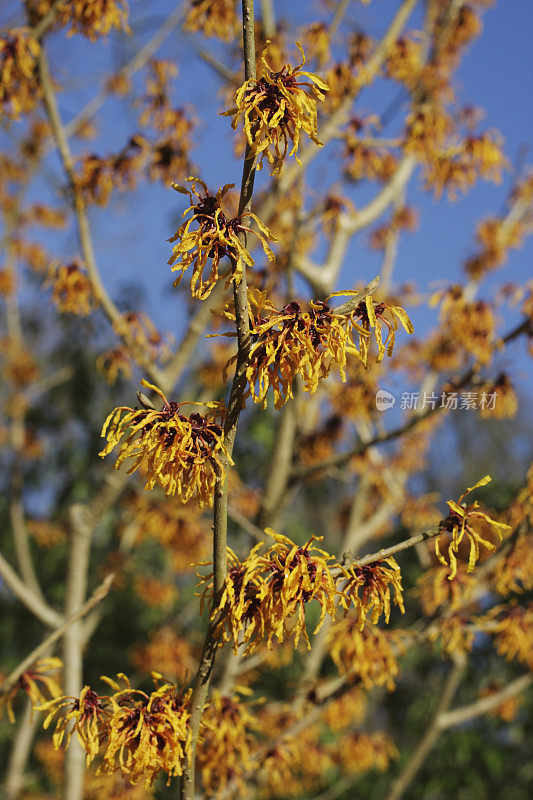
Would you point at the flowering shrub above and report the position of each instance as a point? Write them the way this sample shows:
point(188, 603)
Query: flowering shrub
point(302, 662)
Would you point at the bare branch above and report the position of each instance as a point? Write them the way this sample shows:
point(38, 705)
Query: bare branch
point(349, 560)
point(457, 716)
point(136, 63)
point(26, 595)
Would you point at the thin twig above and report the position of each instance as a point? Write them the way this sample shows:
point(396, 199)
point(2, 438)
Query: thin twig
point(348, 559)
point(268, 18)
point(81, 530)
point(136, 63)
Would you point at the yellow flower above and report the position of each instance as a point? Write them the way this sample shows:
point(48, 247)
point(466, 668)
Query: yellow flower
point(512, 626)
point(94, 18)
point(293, 342)
point(456, 633)
point(215, 237)
point(240, 610)
point(297, 574)
point(370, 314)
point(435, 590)
point(71, 289)
point(19, 89)
point(181, 454)
point(361, 752)
point(33, 681)
point(366, 654)
point(265, 596)
point(147, 733)
point(133, 732)
point(225, 746)
point(461, 522)
point(213, 18)
point(276, 109)
point(85, 715)
point(369, 589)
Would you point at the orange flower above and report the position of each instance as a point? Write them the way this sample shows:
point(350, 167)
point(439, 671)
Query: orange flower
point(133, 732)
point(265, 597)
point(367, 654)
point(71, 289)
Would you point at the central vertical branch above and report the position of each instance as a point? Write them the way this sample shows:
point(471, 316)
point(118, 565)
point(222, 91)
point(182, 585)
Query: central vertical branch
point(235, 404)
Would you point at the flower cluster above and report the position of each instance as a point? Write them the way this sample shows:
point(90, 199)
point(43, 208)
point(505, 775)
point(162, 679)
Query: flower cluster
point(367, 655)
point(361, 752)
point(464, 522)
point(310, 343)
point(33, 682)
point(181, 454)
point(515, 572)
point(178, 528)
point(470, 325)
point(265, 596)
point(293, 342)
point(293, 764)
point(97, 176)
point(71, 289)
point(130, 731)
point(213, 18)
point(92, 18)
point(363, 160)
point(456, 169)
point(276, 109)
point(495, 237)
point(512, 627)
point(370, 314)
point(168, 156)
point(19, 89)
point(369, 589)
point(167, 652)
point(216, 236)
point(225, 748)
